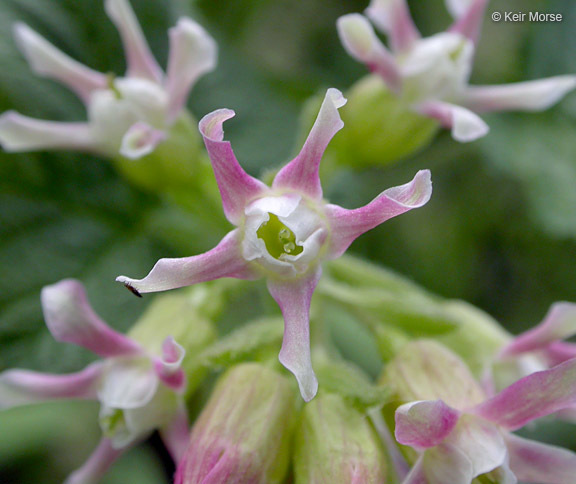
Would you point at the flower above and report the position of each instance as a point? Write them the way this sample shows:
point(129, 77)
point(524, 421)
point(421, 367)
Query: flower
point(458, 444)
point(138, 392)
point(431, 74)
point(128, 115)
point(537, 349)
point(283, 231)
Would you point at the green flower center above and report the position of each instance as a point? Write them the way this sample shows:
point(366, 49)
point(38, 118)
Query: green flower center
point(278, 238)
point(111, 423)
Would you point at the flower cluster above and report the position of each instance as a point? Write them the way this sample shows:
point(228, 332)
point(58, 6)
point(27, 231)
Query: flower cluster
point(453, 387)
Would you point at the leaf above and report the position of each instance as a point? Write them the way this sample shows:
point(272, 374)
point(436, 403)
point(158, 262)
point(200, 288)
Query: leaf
point(539, 152)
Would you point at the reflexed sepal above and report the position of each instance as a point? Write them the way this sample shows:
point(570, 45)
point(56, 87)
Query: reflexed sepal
point(336, 443)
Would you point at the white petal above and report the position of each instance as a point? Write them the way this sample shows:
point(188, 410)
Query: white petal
point(140, 140)
point(361, 42)
point(466, 126)
point(47, 60)
point(457, 8)
point(522, 96)
point(21, 133)
point(193, 53)
point(128, 382)
point(141, 62)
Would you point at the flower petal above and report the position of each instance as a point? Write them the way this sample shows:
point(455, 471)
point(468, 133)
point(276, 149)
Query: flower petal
point(193, 53)
point(140, 140)
point(424, 424)
point(70, 318)
point(19, 387)
point(141, 62)
point(469, 21)
point(465, 125)
point(533, 461)
point(393, 17)
point(21, 133)
point(457, 8)
point(155, 414)
point(224, 260)
point(46, 60)
point(360, 41)
point(302, 172)
point(347, 225)
point(522, 96)
point(481, 442)
point(168, 368)
point(559, 352)
point(237, 188)
point(534, 396)
point(97, 465)
point(176, 435)
point(445, 464)
point(128, 382)
point(559, 323)
point(294, 298)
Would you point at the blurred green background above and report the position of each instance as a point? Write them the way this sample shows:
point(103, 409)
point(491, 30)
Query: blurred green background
point(499, 232)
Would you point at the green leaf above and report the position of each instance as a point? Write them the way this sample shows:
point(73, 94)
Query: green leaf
point(539, 152)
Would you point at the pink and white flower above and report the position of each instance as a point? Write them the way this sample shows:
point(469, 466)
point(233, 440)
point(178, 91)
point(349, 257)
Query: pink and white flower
point(537, 349)
point(431, 74)
point(127, 115)
point(457, 445)
point(138, 392)
point(283, 232)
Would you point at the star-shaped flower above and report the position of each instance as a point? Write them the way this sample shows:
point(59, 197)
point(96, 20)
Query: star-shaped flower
point(127, 115)
point(283, 232)
point(138, 392)
point(431, 74)
point(458, 444)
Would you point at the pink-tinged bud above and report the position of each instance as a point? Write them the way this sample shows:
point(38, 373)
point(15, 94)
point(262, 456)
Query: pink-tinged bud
point(336, 444)
point(426, 370)
point(243, 433)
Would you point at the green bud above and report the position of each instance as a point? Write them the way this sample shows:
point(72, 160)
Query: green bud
point(181, 315)
point(478, 337)
point(336, 444)
point(243, 434)
point(176, 164)
point(379, 127)
point(426, 370)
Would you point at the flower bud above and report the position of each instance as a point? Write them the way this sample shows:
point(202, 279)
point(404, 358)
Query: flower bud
point(336, 444)
point(477, 338)
point(380, 127)
point(175, 163)
point(426, 370)
point(243, 433)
